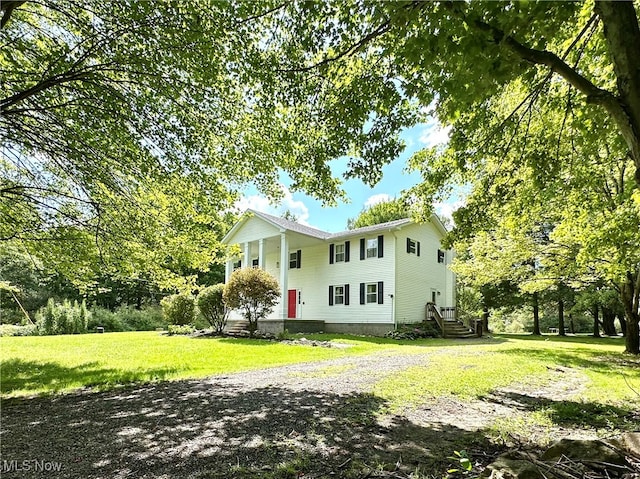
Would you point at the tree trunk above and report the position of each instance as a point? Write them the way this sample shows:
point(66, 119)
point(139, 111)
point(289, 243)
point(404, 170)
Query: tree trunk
point(630, 295)
point(623, 324)
point(632, 339)
point(536, 315)
point(485, 318)
point(608, 322)
point(561, 318)
point(622, 34)
point(596, 321)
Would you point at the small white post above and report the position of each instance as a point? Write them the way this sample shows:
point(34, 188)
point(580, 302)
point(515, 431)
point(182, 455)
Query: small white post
point(246, 261)
point(284, 274)
point(261, 259)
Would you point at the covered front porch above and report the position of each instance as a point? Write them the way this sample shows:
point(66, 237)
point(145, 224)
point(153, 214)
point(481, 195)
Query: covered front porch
point(278, 251)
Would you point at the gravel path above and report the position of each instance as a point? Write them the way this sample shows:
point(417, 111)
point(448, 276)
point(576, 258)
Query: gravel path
point(317, 417)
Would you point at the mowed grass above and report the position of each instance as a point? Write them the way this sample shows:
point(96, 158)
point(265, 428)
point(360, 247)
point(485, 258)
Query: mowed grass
point(34, 365)
point(465, 369)
point(611, 378)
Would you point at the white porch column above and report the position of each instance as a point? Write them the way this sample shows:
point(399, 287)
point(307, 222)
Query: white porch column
point(261, 258)
point(284, 274)
point(246, 261)
point(228, 270)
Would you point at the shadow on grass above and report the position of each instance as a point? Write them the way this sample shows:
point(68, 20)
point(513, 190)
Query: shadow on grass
point(427, 342)
point(594, 360)
point(20, 375)
point(589, 415)
point(221, 429)
point(571, 338)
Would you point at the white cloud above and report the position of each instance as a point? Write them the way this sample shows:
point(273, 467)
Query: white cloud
point(435, 134)
point(375, 199)
point(446, 208)
point(263, 204)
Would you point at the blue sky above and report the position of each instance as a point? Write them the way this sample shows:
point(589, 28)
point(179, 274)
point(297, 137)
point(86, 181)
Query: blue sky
point(394, 180)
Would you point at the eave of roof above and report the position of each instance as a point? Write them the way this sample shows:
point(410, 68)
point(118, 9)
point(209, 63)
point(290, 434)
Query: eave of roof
point(287, 225)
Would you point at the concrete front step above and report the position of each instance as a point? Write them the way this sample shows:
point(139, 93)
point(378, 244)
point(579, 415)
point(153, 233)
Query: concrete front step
point(237, 326)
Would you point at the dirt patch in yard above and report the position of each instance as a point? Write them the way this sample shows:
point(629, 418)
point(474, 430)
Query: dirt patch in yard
point(311, 420)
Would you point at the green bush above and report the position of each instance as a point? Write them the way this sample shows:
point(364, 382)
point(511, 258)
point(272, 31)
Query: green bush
point(106, 319)
point(180, 329)
point(212, 307)
point(146, 319)
point(18, 330)
point(179, 309)
point(63, 318)
point(253, 292)
point(127, 318)
point(426, 329)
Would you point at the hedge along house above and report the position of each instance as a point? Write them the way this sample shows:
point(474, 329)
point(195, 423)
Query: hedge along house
point(364, 281)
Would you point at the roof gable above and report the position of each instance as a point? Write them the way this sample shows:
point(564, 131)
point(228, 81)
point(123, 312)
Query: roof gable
point(279, 224)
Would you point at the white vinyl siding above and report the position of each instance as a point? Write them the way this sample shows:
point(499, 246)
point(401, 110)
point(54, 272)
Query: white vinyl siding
point(408, 277)
point(419, 277)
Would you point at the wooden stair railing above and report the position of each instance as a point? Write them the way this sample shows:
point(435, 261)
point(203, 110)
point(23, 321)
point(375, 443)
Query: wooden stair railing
point(433, 313)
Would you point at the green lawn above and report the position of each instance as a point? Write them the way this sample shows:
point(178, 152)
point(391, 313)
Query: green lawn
point(44, 364)
point(34, 365)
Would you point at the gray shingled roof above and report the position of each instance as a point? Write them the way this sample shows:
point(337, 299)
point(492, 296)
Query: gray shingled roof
point(315, 233)
point(372, 229)
point(292, 225)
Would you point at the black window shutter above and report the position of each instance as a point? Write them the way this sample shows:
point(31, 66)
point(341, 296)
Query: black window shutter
point(362, 248)
point(380, 246)
point(347, 245)
point(408, 245)
point(418, 248)
point(330, 295)
point(380, 292)
point(346, 295)
point(299, 259)
point(331, 250)
point(361, 293)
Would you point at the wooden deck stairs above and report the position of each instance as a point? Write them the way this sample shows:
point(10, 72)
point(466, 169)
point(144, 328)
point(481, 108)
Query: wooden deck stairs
point(446, 320)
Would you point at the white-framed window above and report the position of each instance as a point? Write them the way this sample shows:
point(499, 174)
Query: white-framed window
point(372, 293)
point(372, 248)
point(339, 253)
point(338, 295)
point(237, 264)
point(440, 256)
point(255, 262)
point(293, 260)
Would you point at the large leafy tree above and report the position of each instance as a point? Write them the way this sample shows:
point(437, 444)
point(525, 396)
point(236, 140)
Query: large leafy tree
point(253, 87)
point(127, 130)
point(382, 212)
point(548, 213)
point(353, 71)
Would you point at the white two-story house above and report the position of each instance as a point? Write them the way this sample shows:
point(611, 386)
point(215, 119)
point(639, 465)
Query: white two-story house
point(364, 281)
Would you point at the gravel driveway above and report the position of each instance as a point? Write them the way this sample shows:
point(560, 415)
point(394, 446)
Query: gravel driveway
point(319, 418)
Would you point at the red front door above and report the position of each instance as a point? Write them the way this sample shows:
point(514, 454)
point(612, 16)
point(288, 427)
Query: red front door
point(293, 299)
